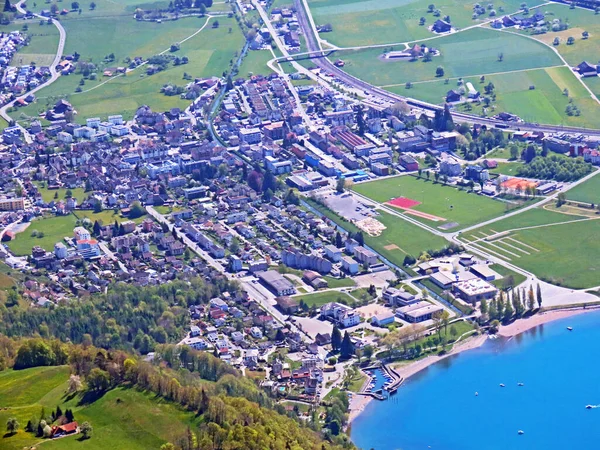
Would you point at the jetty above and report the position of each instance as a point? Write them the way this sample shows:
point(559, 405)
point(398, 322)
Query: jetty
point(389, 388)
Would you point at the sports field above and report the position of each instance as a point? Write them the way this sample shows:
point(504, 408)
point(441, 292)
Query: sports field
point(400, 238)
point(553, 255)
point(111, 29)
point(532, 218)
point(446, 202)
point(386, 21)
point(544, 104)
point(54, 229)
point(588, 191)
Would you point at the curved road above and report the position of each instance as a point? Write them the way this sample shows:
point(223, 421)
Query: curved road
point(53, 73)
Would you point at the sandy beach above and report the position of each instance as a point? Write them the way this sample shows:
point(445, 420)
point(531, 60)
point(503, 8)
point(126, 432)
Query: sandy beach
point(519, 326)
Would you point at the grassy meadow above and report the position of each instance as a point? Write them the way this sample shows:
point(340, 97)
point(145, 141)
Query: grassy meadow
point(588, 192)
point(54, 229)
point(378, 22)
point(122, 418)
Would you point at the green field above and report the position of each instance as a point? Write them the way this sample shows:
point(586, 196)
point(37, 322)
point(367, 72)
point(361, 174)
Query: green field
point(588, 191)
point(106, 217)
point(507, 168)
point(378, 22)
point(255, 63)
point(122, 418)
point(472, 52)
point(400, 238)
point(554, 255)
point(48, 195)
point(42, 45)
point(505, 272)
point(54, 229)
point(320, 298)
point(339, 282)
point(443, 201)
point(94, 35)
point(579, 20)
point(544, 104)
point(531, 218)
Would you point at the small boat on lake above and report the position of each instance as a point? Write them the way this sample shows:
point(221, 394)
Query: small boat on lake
point(570, 328)
point(502, 385)
point(520, 384)
point(521, 432)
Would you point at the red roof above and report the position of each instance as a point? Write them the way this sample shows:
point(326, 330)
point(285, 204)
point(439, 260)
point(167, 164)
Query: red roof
point(69, 427)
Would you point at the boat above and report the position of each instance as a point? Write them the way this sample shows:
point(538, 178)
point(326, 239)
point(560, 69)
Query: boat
point(589, 407)
point(521, 432)
point(520, 384)
point(476, 394)
point(570, 328)
point(502, 384)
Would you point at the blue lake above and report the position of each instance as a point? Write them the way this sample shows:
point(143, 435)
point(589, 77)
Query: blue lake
point(438, 409)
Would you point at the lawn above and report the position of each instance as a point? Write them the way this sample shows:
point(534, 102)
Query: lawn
point(470, 53)
point(378, 22)
point(49, 195)
point(558, 258)
point(96, 36)
point(105, 217)
point(505, 272)
point(507, 168)
point(54, 229)
point(320, 298)
point(122, 418)
point(439, 200)
point(544, 104)
point(339, 282)
point(588, 191)
point(255, 63)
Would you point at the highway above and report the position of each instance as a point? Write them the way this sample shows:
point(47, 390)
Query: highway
point(53, 73)
point(369, 90)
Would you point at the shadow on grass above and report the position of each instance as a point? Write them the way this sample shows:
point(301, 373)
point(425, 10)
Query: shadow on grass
point(90, 397)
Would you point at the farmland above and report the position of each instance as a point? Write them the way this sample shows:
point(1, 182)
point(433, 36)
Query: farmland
point(122, 418)
point(54, 229)
point(469, 53)
point(94, 35)
point(42, 46)
point(379, 22)
point(445, 202)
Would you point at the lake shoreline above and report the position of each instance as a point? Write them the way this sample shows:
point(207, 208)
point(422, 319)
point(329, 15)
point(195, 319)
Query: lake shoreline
point(360, 402)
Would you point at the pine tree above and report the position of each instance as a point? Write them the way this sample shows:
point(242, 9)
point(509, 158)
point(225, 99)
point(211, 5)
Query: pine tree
point(7, 6)
point(69, 415)
point(483, 306)
point(339, 242)
point(336, 339)
point(508, 312)
point(539, 295)
point(347, 349)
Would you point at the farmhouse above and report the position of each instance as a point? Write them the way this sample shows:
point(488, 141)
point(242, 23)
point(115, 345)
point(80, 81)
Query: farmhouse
point(452, 96)
point(585, 69)
point(441, 26)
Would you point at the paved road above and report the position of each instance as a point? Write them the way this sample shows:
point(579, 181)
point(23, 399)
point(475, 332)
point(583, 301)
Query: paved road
point(53, 73)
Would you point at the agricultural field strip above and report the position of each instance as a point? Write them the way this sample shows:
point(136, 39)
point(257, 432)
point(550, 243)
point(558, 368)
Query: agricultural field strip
point(437, 80)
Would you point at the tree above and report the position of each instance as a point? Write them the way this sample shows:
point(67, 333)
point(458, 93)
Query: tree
point(339, 242)
point(453, 331)
point(69, 415)
point(336, 339)
point(500, 57)
point(539, 295)
point(439, 72)
point(561, 199)
point(98, 380)
point(74, 5)
point(556, 41)
point(340, 185)
point(585, 35)
point(86, 430)
point(12, 426)
point(422, 20)
point(483, 306)
point(514, 152)
point(346, 349)
point(74, 384)
point(431, 8)
point(360, 121)
point(215, 24)
point(92, 6)
point(570, 40)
